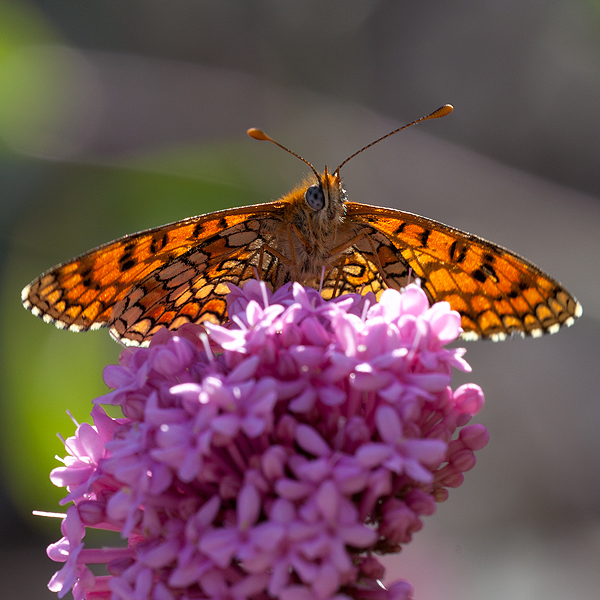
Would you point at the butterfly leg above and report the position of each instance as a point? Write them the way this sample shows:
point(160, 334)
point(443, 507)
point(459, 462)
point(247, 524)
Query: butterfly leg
point(357, 238)
point(377, 261)
point(294, 260)
point(284, 260)
point(255, 269)
point(293, 230)
point(340, 270)
point(259, 268)
point(308, 222)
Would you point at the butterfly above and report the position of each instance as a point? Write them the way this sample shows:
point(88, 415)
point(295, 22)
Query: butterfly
point(180, 273)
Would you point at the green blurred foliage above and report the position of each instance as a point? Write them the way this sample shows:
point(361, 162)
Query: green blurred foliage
point(46, 371)
point(20, 26)
point(70, 209)
point(31, 87)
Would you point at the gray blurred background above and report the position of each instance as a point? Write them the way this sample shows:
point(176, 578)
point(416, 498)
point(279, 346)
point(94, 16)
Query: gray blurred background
point(117, 116)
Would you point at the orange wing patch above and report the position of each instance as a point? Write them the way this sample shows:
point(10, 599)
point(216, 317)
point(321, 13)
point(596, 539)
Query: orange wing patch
point(497, 292)
point(165, 276)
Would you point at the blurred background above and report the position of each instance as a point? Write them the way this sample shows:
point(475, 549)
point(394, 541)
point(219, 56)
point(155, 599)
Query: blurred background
point(120, 115)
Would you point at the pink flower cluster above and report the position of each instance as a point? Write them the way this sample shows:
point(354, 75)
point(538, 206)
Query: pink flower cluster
point(272, 458)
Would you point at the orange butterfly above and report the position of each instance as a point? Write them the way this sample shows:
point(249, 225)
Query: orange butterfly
point(179, 273)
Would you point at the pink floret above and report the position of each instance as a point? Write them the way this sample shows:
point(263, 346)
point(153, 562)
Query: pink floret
point(272, 457)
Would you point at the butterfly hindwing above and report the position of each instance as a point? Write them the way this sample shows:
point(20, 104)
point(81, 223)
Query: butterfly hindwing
point(192, 287)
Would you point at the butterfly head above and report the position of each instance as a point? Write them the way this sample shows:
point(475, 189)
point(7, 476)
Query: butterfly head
point(325, 198)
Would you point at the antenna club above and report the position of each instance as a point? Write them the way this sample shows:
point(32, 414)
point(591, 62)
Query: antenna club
point(441, 112)
point(257, 134)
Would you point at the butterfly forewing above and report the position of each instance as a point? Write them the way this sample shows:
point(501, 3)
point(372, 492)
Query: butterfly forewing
point(497, 292)
point(167, 276)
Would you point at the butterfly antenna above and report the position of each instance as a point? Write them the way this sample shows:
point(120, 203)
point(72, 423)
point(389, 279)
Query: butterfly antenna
point(322, 279)
point(440, 112)
point(257, 134)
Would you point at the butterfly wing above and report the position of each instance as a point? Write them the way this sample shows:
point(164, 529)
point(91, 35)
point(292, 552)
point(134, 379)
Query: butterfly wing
point(166, 276)
point(178, 273)
point(496, 292)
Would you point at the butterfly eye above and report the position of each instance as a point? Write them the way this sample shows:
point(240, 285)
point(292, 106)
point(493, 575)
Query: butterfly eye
point(315, 197)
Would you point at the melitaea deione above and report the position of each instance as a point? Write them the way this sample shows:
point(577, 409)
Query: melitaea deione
point(179, 273)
